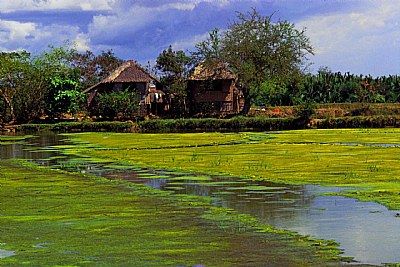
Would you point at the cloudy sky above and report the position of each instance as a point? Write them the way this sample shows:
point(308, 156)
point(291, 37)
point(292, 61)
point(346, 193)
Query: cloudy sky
point(359, 36)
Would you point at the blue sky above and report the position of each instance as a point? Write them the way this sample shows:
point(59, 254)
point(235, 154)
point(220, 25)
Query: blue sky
point(359, 36)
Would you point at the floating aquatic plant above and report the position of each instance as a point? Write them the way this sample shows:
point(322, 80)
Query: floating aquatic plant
point(301, 156)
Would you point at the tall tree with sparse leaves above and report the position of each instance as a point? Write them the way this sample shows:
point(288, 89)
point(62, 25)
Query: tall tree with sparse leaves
point(93, 68)
point(259, 50)
point(14, 71)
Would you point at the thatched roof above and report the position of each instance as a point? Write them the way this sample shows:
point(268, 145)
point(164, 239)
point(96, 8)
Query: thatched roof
point(129, 72)
point(218, 72)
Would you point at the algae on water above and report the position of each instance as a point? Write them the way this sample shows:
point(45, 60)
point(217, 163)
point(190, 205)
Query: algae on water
point(298, 157)
point(54, 218)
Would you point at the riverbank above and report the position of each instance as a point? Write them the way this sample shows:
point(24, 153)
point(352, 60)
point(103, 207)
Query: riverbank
point(322, 116)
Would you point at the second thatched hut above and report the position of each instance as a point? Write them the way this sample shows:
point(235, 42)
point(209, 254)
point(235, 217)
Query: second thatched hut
point(212, 91)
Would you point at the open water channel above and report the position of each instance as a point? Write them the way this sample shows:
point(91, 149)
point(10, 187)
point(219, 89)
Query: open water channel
point(366, 231)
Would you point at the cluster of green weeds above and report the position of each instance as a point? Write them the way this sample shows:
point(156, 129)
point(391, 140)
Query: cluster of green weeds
point(379, 121)
point(13, 139)
point(258, 123)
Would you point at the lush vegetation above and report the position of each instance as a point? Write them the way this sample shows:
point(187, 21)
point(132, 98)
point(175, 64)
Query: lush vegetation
point(50, 84)
point(361, 158)
point(52, 218)
point(115, 126)
point(268, 120)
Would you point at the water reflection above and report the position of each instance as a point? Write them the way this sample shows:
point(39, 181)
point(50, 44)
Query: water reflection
point(6, 253)
point(29, 149)
point(366, 231)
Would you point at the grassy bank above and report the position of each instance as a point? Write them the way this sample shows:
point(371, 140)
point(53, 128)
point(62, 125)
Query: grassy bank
point(52, 218)
point(212, 125)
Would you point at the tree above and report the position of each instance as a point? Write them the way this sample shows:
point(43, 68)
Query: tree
point(258, 50)
point(14, 68)
point(92, 68)
point(59, 80)
point(123, 104)
point(174, 67)
point(209, 50)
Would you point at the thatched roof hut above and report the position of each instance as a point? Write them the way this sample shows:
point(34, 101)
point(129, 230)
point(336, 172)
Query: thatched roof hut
point(212, 90)
point(128, 75)
point(216, 72)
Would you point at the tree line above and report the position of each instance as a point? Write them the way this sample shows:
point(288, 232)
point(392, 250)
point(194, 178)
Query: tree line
point(269, 57)
point(49, 84)
point(331, 87)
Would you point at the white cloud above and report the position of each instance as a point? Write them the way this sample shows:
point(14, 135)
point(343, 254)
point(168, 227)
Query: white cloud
point(82, 42)
point(126, 21)
point(14, 31)
point(358, 39)
point(44, 5)
point(189, 43)
point(129, 18)
point(35, 37)
point(219, 3)
point(179, 6)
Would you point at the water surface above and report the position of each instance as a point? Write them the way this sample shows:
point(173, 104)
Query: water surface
point(6, 253)
point(367, 231)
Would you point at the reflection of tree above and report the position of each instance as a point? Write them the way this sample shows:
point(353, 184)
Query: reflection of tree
point(32, 151)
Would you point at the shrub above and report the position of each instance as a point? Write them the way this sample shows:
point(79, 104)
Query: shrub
point(212, 124)
point(123, 104)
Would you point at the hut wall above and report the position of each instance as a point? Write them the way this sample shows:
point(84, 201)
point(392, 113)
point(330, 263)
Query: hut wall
point(220, 100)
point(141, 87)
point(117, 87)
point(203, 93)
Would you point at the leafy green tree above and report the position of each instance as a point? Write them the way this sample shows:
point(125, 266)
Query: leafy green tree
point(259, 50)
point(67, 98)
point(174, 67)
point(329, 87)
point(270, 92)
point(209, 51)
point(60, 80)
point(21, 88)
point(49, 84)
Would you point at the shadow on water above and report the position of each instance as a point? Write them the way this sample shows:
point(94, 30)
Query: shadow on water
point(366, 231)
